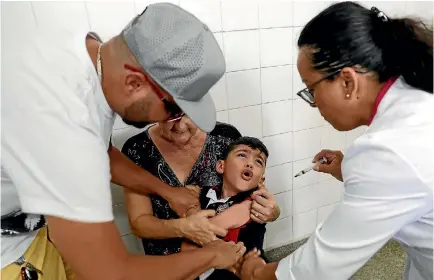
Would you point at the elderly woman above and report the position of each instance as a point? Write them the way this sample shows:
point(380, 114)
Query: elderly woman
point(180, 154)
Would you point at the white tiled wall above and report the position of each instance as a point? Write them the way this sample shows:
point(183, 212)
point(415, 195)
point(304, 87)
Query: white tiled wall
point(257, 94)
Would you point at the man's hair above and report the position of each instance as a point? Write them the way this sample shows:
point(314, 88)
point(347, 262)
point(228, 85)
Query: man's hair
point(251, 142)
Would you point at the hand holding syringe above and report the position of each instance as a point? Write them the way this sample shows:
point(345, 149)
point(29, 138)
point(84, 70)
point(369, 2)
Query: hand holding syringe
point(321, 161)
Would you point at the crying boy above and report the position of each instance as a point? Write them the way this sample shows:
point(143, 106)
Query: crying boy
point(242, 168)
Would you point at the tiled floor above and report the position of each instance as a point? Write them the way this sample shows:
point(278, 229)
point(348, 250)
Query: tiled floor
point(387, 264)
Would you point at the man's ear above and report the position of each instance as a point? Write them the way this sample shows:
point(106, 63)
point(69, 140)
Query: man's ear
point(220, 168)
point(134, 82)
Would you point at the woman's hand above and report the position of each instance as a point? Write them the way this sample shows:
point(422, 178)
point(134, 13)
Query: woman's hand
point(264, 207)
point(226, 254)
point(333, 165)
point(199, 229)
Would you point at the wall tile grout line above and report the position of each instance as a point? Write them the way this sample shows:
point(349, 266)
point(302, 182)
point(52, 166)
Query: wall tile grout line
point(259, 68)
point(260, 77)
point(292, 120)
point(259, 28)
point(266, 136)
point(224, 54)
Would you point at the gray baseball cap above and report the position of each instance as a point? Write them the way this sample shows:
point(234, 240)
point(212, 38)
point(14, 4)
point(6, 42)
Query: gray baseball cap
point(181, 55)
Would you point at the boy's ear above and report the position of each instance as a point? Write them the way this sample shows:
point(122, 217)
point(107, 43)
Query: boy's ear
point(262, 181)
point(220, 166)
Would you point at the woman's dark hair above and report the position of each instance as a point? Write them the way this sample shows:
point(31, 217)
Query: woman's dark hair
point(347, 34)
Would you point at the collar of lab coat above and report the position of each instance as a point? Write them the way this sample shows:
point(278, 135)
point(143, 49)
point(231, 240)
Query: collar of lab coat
point(381, 95)
point(400, 103)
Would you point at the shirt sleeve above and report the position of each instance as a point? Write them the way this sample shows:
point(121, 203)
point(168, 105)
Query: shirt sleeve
point(382, 194)
point(51, 149)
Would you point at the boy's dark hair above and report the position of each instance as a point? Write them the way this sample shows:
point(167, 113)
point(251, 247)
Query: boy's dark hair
point(251, 142)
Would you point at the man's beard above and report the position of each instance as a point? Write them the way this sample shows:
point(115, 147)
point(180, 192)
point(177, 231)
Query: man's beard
point(136, 124)
point(141, 106)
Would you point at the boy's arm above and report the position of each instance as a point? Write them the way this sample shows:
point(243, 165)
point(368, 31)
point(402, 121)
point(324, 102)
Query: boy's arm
point(235, 216)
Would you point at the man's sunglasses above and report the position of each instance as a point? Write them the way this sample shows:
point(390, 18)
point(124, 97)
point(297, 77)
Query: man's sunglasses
point(307, 94)
point(174, 111)
point(28, 272)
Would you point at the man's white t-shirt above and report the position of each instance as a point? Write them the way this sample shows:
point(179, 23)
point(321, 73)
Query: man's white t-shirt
point(56, 128)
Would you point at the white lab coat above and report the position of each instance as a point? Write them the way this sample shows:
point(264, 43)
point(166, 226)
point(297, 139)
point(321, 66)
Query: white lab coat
point(388, 178)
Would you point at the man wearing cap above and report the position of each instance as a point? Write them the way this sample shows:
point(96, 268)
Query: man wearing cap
point(60, 94)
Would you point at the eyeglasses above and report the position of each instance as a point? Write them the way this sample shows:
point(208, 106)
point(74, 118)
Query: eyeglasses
point(307, 94)
point(174, 111)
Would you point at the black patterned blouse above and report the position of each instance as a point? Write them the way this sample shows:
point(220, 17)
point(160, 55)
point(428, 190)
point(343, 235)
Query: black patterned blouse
point(141, 150)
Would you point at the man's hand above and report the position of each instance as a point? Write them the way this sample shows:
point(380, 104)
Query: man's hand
point(264, 207)
point(333, 165)
point(199, 229)
point(181, 200)
point(227, 254)
point(252, 262)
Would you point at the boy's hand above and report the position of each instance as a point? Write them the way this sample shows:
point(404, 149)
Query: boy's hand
point(264, 207)
point(251, 264)
point(236, 269)
point(199, 229)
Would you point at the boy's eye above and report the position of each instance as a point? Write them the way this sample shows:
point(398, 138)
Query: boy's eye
point(260, 162)
point(242, 155)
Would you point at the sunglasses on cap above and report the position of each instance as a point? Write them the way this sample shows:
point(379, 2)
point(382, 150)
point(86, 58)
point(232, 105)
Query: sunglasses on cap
point(175, 113)
point(28, 272)
point(307, 94)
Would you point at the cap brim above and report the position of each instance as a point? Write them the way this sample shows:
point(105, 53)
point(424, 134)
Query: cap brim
point(202, 112)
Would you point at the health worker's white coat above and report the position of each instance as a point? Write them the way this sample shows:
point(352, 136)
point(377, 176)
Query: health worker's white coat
point(388, 178)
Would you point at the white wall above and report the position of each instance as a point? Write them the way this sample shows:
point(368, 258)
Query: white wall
point(257, 93)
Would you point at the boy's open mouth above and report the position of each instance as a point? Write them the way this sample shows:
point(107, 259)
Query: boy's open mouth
point(247, 174)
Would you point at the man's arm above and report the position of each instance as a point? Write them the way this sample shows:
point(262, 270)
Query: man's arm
point(126, 173)
point(96, 251)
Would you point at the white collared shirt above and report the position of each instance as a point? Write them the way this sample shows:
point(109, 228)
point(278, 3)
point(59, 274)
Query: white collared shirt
point(388, 178)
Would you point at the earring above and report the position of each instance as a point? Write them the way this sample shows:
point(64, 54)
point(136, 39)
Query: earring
point(348, 96)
